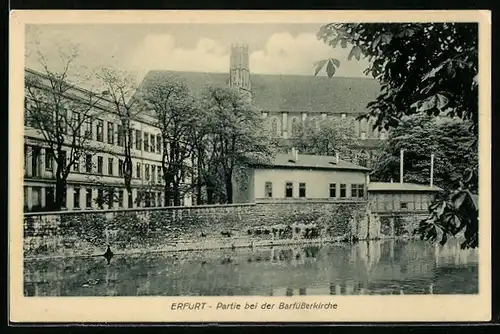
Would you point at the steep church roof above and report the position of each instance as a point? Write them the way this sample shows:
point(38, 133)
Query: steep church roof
point(292, 93)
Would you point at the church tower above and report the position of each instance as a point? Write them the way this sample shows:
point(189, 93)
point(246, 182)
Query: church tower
point(239, 70)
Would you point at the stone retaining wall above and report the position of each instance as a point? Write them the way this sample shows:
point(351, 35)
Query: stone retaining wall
point(86, 233)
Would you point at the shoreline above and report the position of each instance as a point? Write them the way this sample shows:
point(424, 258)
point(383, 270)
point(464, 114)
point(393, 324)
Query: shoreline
point(210, 246)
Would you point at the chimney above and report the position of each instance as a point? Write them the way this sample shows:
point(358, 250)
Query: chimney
point(337, 158)
point(432, 169)
point(401, 165)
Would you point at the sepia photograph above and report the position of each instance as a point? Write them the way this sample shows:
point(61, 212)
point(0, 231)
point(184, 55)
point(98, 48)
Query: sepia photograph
point(275, 159)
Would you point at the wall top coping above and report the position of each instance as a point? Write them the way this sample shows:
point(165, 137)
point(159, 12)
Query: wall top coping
point(163, 208)
point(194, 207)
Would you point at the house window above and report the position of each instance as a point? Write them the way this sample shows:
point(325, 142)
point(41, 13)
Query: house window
point(63, 120)
point(361, 190)
point(404, 205)
point(88, 129)
point(100, 162)
point(111, 133)
point(100, 198)
point(302, 190)
point(138, 141)
point(99, 130)
point(159, 174)
point(120, 198)
point(111, 197)
point(146, 142)
point(49, 198)
point(35, 161)
point(110, 166)
point(153, 145)
point(75, 123)
point(49, 159)
point(158, 144)
point(138, 170)
point(88, 163)
point(159, 199)
point(343, 191)
point(76, 198)
point(333, 190)
point(357, 190)
point(354, 190)
point(119, 137)
point(269, 189)
point(130, 202)
point(153, 173)
point(88, 198)
point(289, 189)
point(76, 162)
point(120, 167)
point(146, 172)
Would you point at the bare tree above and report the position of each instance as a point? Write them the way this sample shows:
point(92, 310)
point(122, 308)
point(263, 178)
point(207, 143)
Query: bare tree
point(58, 111)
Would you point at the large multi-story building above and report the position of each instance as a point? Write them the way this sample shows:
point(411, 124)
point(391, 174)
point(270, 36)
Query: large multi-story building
point(96, 178)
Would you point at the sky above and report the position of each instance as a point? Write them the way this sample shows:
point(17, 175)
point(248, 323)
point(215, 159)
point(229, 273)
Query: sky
point(138, 48)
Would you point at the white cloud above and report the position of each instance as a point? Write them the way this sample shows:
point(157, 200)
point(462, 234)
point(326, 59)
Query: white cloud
point(159, 52)
point(282, 54)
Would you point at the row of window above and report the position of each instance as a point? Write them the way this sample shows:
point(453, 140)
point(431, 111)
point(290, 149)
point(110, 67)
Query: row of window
point(357, 190)
point(295, 122)
point(115, 134)
point(140, 140)
point(106, 197)
point(152, 172)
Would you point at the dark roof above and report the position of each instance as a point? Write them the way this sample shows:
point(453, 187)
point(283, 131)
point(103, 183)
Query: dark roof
point(396, 186)
point(290, 92)
point(306, 161)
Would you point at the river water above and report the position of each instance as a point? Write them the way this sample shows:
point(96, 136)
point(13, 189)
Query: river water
point(375, 267)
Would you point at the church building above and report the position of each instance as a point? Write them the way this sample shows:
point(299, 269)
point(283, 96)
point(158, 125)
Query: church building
point(285, 101)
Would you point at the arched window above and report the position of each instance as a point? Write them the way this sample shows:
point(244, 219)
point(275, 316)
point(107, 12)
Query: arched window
point(314, 123)
point(274, 127)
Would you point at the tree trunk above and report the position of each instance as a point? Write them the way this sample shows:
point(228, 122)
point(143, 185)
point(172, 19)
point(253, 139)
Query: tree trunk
point(210, 193)
point(198, 191)
point(229, 190)
point(176, 193)
point(60, 194)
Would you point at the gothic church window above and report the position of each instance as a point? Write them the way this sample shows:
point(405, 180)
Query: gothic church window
point(274, 127)
point(295, 126)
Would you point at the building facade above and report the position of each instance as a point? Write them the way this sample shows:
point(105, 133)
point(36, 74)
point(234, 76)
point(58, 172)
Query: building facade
point(96, 178)
point(388, 197)
point(301, 177)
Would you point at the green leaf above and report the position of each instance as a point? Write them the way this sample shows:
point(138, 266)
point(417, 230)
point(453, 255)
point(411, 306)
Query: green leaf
point(330, 69)
point(336, 62)
point(319, 65)
point(386, 38)
point(355, 52)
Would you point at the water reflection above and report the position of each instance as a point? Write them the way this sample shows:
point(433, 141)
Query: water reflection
point(382, 267)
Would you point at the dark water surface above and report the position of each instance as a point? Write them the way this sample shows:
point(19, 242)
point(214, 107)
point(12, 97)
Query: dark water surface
point(376, 267)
